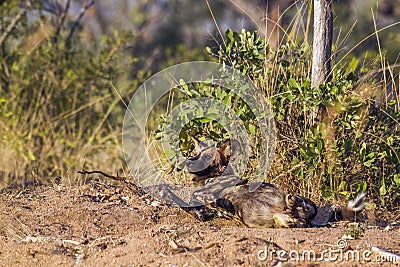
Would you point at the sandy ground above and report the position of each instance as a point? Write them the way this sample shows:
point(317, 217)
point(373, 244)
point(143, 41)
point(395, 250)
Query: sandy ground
point(104, 225)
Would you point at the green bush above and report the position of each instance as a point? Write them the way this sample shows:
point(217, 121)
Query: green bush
point(58, 109)
point(352, 145)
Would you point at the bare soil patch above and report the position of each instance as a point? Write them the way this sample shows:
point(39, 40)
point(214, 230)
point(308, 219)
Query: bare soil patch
point(107, 225)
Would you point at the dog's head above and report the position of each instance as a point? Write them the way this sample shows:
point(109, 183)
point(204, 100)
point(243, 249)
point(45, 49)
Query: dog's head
point(209, 161)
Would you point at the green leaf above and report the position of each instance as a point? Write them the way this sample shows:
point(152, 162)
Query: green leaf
point(170, 154)
point(229, 36)
point(327, 194)
point(382, 189)
point(367, 163)
point(363, 151)
point(206, 119)
point(252, 129)
point(294, 84)
point(342, 186)
point(352, 65)
point(346, 124)
point(158, 135)
point(396, 179)
point(227, 100)
point(299, 172)
point(319, 146)
point(30, 156)
point(303, 152)
point(363, 186)
point(306, 83)
point(199, 112)
point(214, 135)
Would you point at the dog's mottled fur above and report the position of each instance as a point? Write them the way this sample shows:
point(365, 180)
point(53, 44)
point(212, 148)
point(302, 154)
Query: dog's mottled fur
point(267, 206)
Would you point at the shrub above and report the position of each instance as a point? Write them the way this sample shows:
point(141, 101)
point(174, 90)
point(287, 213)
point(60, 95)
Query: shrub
point(352, 146)
point(58, 109)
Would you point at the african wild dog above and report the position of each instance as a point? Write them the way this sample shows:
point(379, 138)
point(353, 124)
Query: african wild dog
point(209, 162)
point(268, 205)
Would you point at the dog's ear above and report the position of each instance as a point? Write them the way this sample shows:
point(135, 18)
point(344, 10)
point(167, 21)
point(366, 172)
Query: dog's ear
point(236, 149)
point(198, 145)
point(230, 149)
point(225, 148)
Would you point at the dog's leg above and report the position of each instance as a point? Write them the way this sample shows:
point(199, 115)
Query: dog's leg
point(287, 221)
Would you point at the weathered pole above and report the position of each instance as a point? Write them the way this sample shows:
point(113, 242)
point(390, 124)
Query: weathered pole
point(322, 45)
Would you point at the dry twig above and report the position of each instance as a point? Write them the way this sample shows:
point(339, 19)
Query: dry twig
point(124, 180)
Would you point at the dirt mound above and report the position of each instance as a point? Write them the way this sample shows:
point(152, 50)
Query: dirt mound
point(107, 225)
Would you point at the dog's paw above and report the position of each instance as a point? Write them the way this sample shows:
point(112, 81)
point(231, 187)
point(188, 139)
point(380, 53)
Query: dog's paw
point(292, 203)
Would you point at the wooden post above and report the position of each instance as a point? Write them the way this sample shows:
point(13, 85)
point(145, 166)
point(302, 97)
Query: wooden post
point(322, 45)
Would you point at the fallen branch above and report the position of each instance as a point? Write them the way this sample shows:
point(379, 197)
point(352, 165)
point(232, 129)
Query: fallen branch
point(201, 213)
point(124, 180)
point(116, 178)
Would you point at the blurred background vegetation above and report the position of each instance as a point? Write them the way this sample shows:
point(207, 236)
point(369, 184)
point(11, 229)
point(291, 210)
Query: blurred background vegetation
point(68, 67)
